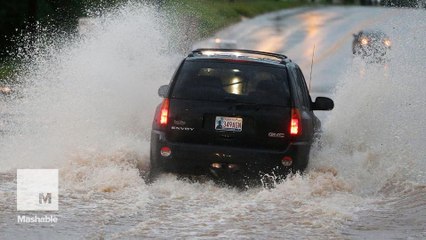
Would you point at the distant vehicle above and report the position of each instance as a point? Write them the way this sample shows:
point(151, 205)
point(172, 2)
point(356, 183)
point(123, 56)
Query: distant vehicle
point(373, 45)
point(230, 113)
point(225, 44)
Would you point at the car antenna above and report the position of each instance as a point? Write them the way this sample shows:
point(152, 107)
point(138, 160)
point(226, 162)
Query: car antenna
point(312, 64)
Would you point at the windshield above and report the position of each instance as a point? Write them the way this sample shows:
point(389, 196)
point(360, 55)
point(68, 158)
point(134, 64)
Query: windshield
point(242, 82)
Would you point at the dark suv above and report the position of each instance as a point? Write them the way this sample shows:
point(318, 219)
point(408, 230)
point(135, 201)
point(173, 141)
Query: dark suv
point(234, 112)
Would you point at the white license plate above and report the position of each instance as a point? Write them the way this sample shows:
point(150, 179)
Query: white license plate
point(231, 124)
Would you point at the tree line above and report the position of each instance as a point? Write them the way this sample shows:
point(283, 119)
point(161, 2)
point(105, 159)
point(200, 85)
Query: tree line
point(17, 16)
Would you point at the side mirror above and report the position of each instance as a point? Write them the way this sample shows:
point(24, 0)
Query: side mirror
point(163, 90)
point(323, 103)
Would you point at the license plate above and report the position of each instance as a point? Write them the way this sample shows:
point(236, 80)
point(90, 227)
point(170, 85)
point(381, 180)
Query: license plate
point(231, 124)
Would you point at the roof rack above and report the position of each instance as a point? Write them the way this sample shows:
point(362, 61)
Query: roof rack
point(238, 53)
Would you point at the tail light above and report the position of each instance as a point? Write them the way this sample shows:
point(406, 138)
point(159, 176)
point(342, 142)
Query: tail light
point(164, 112)
point(295, 123)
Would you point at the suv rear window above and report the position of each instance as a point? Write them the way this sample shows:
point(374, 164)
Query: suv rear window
point(232, 80)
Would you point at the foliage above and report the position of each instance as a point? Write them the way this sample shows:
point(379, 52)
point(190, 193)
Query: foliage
point(213, 15)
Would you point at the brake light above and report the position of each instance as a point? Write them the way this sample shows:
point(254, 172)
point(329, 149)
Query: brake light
point(164, 112)
point(295, 123)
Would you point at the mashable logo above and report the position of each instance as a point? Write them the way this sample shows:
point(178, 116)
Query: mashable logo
point(37, 190)
point(45, 199)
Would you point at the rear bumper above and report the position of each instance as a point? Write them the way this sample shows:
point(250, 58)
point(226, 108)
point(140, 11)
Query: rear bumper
point(196, 159)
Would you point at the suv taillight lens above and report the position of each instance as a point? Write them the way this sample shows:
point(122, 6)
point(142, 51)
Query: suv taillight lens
point(295, 122)
point(164, 112)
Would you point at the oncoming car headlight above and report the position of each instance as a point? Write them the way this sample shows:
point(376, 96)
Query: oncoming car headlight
point(387, 42)
point(364, 41)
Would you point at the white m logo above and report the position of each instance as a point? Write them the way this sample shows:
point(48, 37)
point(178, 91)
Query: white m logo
point(45, 199)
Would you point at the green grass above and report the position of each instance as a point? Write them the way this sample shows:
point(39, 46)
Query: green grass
point(212, 15)
point(6, 71)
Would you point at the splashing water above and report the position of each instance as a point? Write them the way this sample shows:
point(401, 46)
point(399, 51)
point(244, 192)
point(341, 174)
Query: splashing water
point(375, 134)
point(96, 92)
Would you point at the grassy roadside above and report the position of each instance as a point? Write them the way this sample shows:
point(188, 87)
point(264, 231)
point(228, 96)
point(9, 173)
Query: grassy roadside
point(212, 15)
point(6, 71)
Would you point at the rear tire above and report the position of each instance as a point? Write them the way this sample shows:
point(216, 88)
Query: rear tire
point(154, 170)
point(302, 162)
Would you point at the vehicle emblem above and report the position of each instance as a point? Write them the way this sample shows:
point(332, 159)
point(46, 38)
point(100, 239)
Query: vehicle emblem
point(276, 135)
point(179, 122)
point(182, 128)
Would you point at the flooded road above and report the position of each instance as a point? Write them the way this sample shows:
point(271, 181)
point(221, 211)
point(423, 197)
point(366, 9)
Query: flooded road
point(87, 107)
